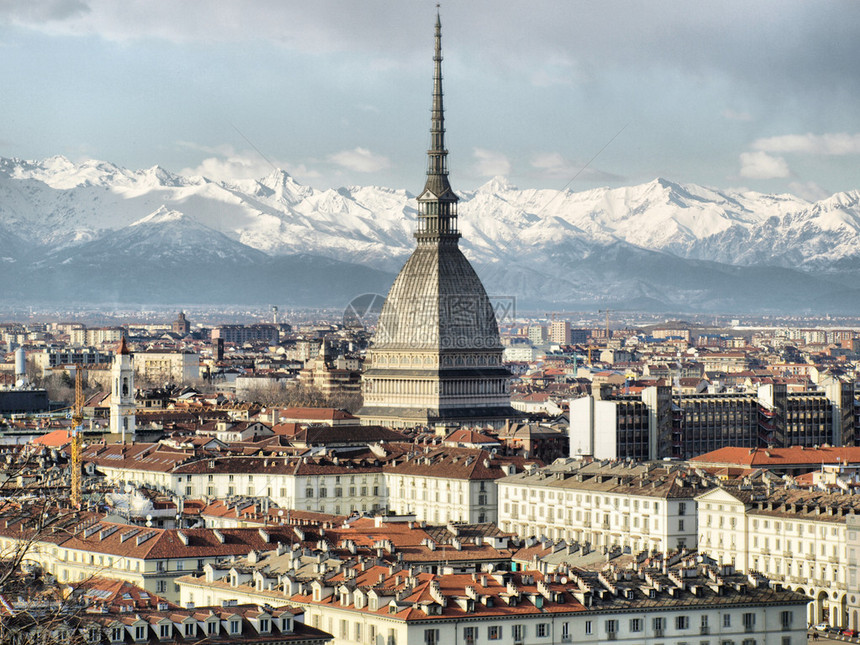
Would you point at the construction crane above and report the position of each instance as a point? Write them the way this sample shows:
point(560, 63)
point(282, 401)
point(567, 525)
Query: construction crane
point(77, 432)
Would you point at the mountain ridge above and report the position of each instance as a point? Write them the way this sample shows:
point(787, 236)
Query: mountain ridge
point(553, 244)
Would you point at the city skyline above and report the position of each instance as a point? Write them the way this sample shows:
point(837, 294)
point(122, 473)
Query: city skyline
point(736, 96)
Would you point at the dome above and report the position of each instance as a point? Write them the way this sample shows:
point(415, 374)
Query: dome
point(437, 302)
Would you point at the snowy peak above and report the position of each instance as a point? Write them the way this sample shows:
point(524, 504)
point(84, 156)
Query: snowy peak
point(162, 215)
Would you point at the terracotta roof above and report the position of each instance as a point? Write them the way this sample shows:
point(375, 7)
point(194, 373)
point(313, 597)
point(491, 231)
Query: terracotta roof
point(55, 439)
point(780, 457)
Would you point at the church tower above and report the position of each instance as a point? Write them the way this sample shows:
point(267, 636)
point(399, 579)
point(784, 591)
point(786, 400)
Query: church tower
point(122, 407)
point(436, 356)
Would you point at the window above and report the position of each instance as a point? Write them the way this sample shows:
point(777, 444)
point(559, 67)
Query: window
point(749, 622)
point(682, 508)
point(494, 632)
point(234, 626)
point(139, 632)
point(785, 619)
point(189, 629)
point(704, 624)
point(727, 620)
point(543, 630)
point(212, 627)
point(470, 635)
point(323, 492)
point(164, 631)
point(264, 625)
point(635, 624)
point(161, 586)
point(565, 632)
point(588, 628)
point(309, 492)
point(659, 624)
point(611, 627)
point(519, 633)
point(682, 622)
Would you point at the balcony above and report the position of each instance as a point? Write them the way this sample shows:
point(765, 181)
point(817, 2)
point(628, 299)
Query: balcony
point(704, 630)
point(658, 633)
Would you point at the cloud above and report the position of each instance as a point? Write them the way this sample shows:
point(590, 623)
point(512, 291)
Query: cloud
point(835, 144)
point(227, 164)
point(557, 166)
point(553, 164)
point(760, 165)
point(35, 11)
point(808, 190)
point(490, 163)
point(360, 160)
point(733, 115)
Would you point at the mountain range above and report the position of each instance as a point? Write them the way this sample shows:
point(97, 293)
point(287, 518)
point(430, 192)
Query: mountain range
point(93, 232)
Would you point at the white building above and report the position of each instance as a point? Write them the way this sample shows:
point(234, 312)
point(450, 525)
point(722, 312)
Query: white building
point(447, 484)
point(605, 504)
point(372, 604)
point(797, 537)
point(160, 367)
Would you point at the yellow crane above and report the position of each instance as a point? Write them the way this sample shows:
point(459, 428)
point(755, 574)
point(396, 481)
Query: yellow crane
point(77, 432)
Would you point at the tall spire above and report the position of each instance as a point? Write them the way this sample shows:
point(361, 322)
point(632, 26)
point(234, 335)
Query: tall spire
point(437, 204)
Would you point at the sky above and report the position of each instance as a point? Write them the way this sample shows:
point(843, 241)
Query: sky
point(557, 94)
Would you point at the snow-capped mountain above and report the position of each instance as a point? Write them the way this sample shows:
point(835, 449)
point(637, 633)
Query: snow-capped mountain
point(659, 244)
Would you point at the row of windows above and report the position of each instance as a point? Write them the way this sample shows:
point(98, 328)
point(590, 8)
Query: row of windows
point(615, 502)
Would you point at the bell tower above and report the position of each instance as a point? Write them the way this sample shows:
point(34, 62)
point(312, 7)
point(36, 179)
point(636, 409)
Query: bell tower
point(122, 406)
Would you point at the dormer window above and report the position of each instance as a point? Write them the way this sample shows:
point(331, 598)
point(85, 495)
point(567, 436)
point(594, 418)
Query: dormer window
point(212, 627)
point(116, 634)
point(190, 629)
point(287, 625)
point(234, 626)
point(264, 625)
point(164, 631)
point(139, 632)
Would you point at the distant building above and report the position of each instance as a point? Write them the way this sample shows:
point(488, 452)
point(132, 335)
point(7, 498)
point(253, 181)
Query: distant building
point(54, 357)
point(537, 334)
point(240, 334)
point(559, 332)
point(181, 326)
point(159, 367)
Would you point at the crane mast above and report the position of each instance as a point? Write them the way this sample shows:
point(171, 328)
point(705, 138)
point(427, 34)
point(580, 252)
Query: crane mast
point(77, 431)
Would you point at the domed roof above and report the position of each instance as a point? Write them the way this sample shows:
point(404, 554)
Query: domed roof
point(437, 302)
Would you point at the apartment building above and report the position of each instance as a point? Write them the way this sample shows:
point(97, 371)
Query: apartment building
point(658, 422)
point(361, 602)
point(643, 507)
point(796, 537)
